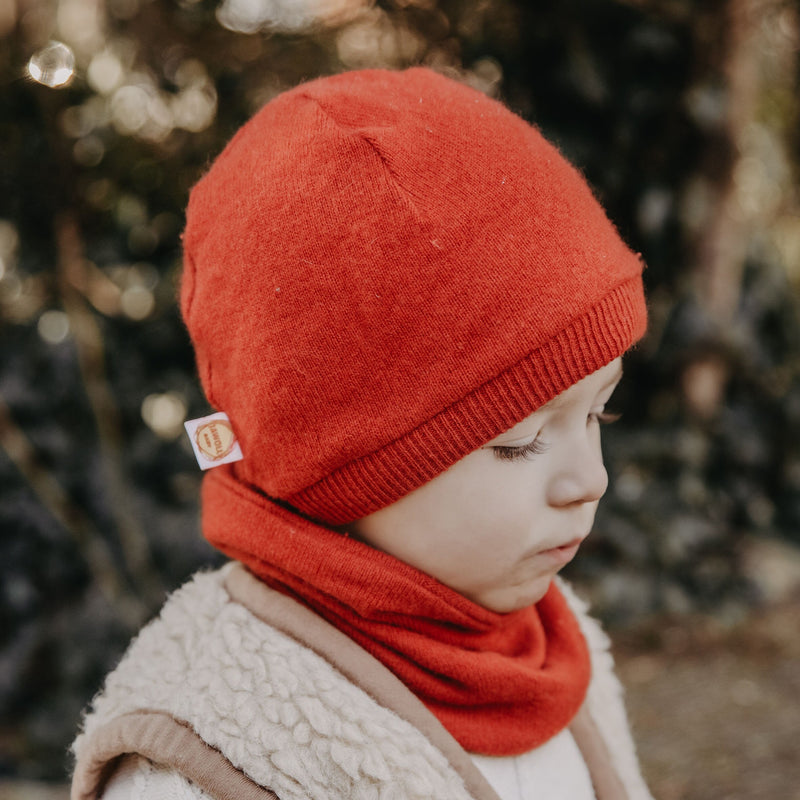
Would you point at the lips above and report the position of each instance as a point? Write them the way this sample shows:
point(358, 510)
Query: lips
point(576, 540)
point(563, 554)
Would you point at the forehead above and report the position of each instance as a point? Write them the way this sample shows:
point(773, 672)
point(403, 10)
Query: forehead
point(592, 384)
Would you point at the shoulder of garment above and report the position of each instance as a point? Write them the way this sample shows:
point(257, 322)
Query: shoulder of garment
point(246, 693)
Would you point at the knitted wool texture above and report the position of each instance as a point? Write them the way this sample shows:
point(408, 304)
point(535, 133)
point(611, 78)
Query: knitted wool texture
point(384, 271)
point(501, 684)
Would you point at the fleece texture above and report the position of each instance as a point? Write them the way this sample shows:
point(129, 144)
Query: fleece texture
point(501, 684)
point(385, 270)
point(250, 706)
point(277, 710)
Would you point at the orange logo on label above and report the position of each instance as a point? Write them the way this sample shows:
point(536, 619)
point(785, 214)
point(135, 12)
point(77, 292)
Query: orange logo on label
point(215, 439)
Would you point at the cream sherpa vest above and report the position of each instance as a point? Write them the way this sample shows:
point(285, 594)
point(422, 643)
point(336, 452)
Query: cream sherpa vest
point(251, 696)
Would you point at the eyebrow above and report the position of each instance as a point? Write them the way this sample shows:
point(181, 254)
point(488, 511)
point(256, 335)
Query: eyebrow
point(558, 400)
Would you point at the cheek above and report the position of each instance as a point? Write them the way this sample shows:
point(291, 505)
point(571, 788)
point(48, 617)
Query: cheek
point(476, 516)
point(483, 508)
point(494, 518)
point(516, 490)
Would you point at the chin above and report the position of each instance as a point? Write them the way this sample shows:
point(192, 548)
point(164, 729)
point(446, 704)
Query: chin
point(516, 598)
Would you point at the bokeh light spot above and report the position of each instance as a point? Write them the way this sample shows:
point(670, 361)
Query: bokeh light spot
point(137, 302)
point(105, 72)
point(194, 109)
point(142, 240)
point(53, 326)
point(130, 211)
point(89, 151)
point(81, 23)
point(75, 123)
point(129, 108)
point(250, 16)
point(164, 414)
point(9, 239)
point(52, 66)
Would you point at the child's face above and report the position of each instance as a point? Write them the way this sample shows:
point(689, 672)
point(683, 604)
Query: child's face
point(500, 523)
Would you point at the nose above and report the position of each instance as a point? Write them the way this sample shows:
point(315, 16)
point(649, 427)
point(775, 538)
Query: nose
point(580, 476)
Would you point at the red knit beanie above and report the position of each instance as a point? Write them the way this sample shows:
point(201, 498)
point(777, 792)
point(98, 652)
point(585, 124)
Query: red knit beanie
point(384, 271)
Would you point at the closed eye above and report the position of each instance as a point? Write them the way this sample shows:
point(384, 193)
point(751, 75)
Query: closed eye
point(526, 451)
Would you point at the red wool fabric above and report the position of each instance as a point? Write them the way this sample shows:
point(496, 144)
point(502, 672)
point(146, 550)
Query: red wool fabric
point(501, 684)
point(384, 271)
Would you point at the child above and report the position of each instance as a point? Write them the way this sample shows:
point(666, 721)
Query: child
point(413, 312)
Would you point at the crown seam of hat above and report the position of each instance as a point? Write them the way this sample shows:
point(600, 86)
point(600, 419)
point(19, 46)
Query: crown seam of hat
point(408, 197)
point(188, 273)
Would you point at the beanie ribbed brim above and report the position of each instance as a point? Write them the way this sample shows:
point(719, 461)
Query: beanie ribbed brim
point(378, 479)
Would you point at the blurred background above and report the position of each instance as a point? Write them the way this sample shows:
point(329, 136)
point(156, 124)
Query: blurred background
point(684, 118)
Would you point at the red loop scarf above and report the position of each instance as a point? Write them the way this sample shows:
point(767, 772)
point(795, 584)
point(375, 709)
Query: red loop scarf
point(501, 684)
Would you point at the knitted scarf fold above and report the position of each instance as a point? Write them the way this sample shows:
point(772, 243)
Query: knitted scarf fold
point(501, 684)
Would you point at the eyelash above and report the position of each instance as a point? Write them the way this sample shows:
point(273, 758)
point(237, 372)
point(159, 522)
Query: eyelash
point(534, 448)
point(537, 446)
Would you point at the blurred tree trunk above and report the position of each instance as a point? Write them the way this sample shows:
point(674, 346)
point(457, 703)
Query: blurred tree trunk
point(756, 51)
point(723, 247)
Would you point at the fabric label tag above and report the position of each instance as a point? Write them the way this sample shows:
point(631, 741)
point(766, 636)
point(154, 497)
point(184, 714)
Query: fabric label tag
point(213, 440)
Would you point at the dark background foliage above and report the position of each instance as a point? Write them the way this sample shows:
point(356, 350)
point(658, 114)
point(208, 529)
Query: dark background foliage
point(682, 115)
